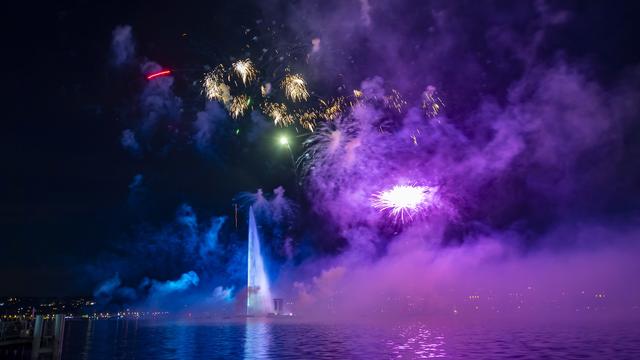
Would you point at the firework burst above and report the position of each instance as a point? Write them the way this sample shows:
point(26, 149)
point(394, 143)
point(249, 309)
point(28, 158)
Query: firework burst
point(245, 70)
point(214, 87)
point(403, 202)
point(239, 105)
point(330, 110)
point(278, 113)
point(265, 89)
point(308, 120)
point(395, 101)
point(295, 88)
point(431, 102)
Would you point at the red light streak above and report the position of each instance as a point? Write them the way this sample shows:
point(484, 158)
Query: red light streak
point(159, 73)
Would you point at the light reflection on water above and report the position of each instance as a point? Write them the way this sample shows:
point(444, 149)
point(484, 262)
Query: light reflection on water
point(269, 339)
point(257, 339)
point(417, 341)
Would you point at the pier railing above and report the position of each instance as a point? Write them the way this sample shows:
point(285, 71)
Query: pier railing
point(37, 337)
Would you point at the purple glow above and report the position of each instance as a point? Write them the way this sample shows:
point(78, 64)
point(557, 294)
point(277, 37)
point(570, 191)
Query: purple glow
point(404, 200)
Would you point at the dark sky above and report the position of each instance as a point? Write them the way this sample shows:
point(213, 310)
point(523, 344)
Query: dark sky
point(64, 180)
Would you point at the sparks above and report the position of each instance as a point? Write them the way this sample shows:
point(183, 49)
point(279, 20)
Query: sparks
point(158, 74)
point(308, 120)
point(431, 102)
point(395, 101)
point(278, 113)
point(265, 89)
point(295, 87)
point(403, 202)
point(245, 70)
point(214, 88)
point(239, 105)
point(332, 109)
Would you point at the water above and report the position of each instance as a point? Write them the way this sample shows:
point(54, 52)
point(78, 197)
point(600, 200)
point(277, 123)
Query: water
point(258, 292)
point(279, 339)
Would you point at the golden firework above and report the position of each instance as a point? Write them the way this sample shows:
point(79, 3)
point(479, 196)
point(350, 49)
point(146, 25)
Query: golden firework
point(295, 88)
point(245, 70)
point(431, 102)
point(395, 100)
point(239, 105)
point(265, 89)
point(278, 113)
point(214, 87)
point(332, 109)
point(308, 120)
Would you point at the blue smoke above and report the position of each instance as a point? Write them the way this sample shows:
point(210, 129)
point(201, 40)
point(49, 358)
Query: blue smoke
point(185, 281)
point(210, 238)
point(107, 287)
point(206, 124)
point(112, 290)
point(122, 45)
point(129, 142)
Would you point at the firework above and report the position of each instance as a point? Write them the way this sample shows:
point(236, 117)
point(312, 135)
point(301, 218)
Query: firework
point(332, 145)
point(295, 88)
point(308, 120)
point(278, 113)
point(245, 70)
point(332, 109)
point(395, 101)
point(403, 202)
point(159, 74)
point(431, 102)
point(265, 89)
point(239, 105)
point(214, 88)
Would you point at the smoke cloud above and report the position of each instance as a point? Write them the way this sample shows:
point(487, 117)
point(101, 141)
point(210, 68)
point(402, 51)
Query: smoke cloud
point(206, 124)
point(529, 151)
point(516, 168)
point(184, 282)
point(122, 45)
point(129, 142)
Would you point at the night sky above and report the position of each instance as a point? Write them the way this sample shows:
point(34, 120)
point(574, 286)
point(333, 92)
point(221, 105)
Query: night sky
point(65, 197)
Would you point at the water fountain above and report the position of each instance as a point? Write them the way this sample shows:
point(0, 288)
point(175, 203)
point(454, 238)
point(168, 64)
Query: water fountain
point(258, 292)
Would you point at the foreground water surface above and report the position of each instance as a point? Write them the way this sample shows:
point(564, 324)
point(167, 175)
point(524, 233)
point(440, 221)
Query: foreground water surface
point(270, 339)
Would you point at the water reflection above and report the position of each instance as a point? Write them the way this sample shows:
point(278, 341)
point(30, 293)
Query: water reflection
point(271, 339)
point(257, 338)
point(417, 342)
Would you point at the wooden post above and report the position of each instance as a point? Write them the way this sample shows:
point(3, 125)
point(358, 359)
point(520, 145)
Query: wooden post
point(37, 337)
point(58, 336)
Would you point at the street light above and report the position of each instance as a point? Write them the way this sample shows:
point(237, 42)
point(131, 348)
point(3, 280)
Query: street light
point(284, 141)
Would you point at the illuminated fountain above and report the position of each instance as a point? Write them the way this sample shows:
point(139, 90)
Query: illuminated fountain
point(258, 292)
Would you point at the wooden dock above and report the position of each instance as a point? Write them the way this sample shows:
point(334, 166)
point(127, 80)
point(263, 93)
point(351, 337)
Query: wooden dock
point(34, 339)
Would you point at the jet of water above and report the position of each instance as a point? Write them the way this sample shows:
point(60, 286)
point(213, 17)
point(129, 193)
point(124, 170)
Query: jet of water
point(258, 291)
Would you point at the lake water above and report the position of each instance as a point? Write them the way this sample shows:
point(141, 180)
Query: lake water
point(275, 339)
